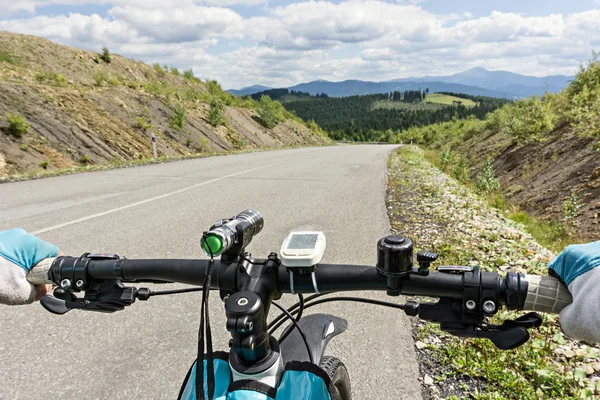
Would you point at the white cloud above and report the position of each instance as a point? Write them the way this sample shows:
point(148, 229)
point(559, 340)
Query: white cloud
point(352, 39)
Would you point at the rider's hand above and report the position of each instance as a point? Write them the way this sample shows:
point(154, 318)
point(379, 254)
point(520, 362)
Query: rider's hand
point(578, 266)
point(19, 251)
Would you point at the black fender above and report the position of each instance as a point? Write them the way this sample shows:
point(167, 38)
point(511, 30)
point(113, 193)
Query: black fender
point(318, 329)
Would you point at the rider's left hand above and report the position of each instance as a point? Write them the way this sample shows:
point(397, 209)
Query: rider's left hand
point(19, 252)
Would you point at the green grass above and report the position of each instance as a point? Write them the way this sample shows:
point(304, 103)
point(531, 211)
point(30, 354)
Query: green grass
point(8, 58)
point(445, 99)
point(102, 77)
point(51, 78)
point(400, 105)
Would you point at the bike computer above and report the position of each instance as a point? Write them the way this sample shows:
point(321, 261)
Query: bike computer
point(302, 249)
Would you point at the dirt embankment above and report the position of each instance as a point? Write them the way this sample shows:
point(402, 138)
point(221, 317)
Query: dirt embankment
point(541, 177)
point(83, 110)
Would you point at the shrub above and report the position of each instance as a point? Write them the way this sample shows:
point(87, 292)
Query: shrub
point(175, 71)
point(446, 159)
point(101, 77)
point(527, 120)
point(158, 69)
point(51, 78)
point(215, 112)
point(17, 125)
point(270, 112)
point(24, 147)
point(461, 169)
point(580, 104)
point(144, 121)
point(97, 60)
point(486, 181)
point(188, 74)
point(85, 159)
point(178, 118)
point(571, 207)
point(106, 56)
point(45, 164)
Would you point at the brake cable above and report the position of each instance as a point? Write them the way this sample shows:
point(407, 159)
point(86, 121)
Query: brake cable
point(297, 325)
point(204, 314)
point(283, 318)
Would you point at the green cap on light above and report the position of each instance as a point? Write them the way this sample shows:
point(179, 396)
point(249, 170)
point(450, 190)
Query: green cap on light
point(212, 244)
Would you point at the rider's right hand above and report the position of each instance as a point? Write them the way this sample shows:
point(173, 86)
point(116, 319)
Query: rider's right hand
point(578, 266)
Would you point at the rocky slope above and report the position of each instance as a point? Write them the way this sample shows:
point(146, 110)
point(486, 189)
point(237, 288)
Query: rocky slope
point(541, 177)
point(83, 110)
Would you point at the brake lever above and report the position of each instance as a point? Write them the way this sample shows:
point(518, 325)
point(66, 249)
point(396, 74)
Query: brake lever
point(449, 314)
point(108, 297)
point(510, 335)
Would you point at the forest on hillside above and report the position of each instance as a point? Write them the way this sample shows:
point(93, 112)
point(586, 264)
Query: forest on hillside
point(355, 118)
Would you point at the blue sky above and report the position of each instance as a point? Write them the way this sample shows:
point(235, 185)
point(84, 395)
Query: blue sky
point(282, 42)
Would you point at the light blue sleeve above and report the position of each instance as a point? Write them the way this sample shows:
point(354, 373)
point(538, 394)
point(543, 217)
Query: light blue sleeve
point(23, 249)
point(576, 260)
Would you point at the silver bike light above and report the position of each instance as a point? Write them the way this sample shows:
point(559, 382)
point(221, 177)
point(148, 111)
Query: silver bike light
point(227, 233)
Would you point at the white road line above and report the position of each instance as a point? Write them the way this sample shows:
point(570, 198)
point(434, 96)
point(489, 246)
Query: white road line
point(139, 203)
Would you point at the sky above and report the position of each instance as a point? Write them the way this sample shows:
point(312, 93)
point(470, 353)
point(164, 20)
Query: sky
point(280, 43)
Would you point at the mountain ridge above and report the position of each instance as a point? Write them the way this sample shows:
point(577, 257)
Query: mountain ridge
point(474, 81)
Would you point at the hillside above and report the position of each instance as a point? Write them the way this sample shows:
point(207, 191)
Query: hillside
point(378, 117)
point(62, 107)
point(545, 152)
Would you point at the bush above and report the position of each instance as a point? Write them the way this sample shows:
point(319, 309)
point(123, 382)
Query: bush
point(101, 77)
point(270, 112)
point(142, 123)
point(486, 181)
point(175, 71)
point(85, 159)
point(188, 74)
point(446, 159)
point(17, 125)
point(526, 120)
point(571, 207)
point(159, 71)
point(106, 56)
point(178, 118)
point(581, 103)
point(45, 164)
point(461, 170)
point(24, 147)
point(215, 112)
point(51, 78)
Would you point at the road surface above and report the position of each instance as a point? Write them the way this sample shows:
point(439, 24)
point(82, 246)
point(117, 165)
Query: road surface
point(161, 211)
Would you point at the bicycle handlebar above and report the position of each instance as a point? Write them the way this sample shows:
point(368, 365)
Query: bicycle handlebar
point(544, 293)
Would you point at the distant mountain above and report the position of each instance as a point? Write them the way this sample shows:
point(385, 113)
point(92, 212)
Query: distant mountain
point(503, 81)
point(475, 81)
point(246, 91)
point(354, 87)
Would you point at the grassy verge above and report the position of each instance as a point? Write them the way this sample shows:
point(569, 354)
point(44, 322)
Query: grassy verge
point(445, 216)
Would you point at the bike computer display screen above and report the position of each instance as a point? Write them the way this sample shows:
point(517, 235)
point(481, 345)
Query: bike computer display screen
point(302, 249)
point(302, 241)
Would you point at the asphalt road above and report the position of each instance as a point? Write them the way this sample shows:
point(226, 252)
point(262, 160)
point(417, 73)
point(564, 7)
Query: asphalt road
point(160, 211)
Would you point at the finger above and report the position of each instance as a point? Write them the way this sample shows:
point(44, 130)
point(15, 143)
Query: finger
point(41, 291)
